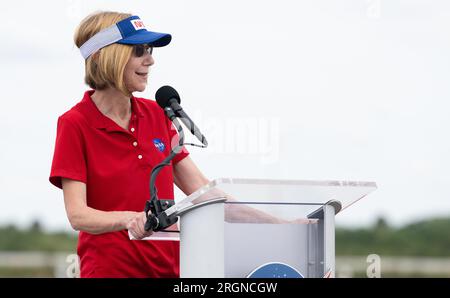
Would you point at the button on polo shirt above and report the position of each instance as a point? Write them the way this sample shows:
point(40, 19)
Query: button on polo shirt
point(115, 164)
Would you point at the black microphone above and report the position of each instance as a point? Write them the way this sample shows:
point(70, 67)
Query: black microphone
point(169, 99)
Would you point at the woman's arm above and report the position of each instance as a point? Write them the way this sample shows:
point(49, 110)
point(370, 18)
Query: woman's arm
point(187, 176)
point(85, 218)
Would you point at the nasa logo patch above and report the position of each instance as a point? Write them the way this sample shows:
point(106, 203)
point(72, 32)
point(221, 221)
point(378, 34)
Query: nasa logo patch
point(159, 144)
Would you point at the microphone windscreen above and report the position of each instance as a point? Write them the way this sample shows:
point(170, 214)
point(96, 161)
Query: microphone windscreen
point(165, 94)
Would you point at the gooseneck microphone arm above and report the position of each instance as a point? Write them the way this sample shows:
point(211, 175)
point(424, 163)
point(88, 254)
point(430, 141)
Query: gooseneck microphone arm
point(169, 100)
point(180, 113)
point(156, 219)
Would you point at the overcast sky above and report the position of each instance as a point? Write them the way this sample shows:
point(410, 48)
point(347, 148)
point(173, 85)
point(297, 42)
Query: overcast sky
point(353, 90)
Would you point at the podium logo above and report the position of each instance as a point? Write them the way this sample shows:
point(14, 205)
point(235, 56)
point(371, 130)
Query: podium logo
point(275, 270)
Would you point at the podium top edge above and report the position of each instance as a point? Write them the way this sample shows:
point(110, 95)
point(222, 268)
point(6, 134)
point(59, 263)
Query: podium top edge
point(218, 181)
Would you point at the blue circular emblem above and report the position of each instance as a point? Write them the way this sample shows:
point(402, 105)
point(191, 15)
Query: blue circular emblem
point(275, 270)
point(159, 145)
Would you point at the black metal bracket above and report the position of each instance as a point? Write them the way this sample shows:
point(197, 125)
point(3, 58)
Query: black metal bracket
point(158, 220)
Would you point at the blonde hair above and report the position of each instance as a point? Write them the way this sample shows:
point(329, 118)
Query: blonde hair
point(104, 68)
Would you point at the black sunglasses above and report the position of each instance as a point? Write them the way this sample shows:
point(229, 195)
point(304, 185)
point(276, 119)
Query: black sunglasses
point(140, 49)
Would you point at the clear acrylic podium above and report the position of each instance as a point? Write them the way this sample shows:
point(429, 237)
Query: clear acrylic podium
point(230, 227)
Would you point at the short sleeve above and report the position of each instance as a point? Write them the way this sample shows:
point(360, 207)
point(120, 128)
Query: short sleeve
point(174, 139)
point(69, 159)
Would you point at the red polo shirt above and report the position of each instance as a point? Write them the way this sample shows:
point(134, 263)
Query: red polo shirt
point(115, 164)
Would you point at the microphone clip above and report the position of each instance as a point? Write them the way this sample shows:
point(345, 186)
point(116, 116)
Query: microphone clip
point(158, 220)
point(171, 114)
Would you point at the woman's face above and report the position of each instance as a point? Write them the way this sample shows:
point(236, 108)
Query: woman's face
point(137, 69)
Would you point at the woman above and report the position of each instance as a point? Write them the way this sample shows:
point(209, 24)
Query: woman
point(106, 146)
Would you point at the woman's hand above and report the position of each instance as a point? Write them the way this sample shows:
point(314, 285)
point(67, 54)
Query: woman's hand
point(136, 226)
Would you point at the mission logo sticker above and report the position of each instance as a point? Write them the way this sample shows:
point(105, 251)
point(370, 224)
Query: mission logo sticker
point(275, 270)
point(137, 24)
point(159, 144)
